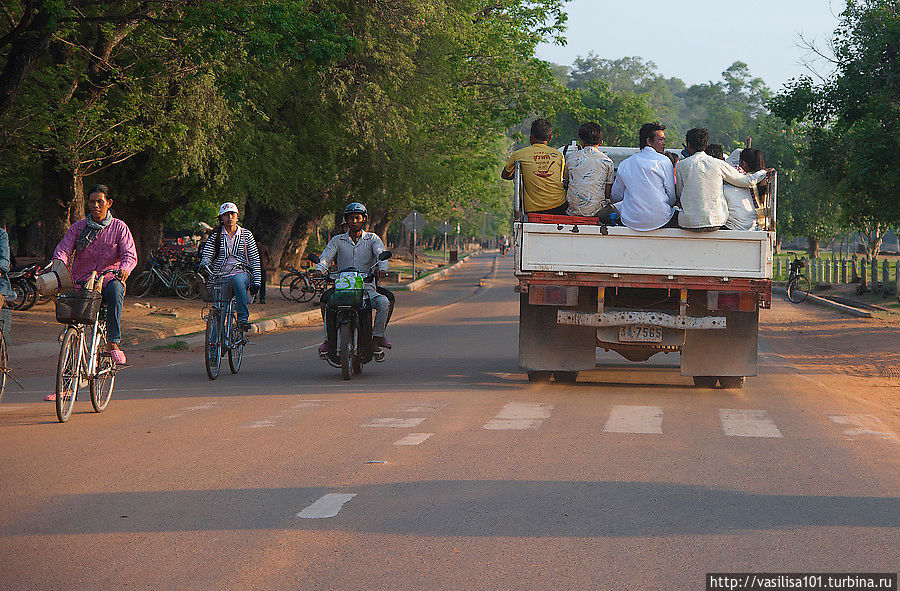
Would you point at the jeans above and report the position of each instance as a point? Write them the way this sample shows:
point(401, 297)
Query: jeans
point(113, 295)
point(239, 284)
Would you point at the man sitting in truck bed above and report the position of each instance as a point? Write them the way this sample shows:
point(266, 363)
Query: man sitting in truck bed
point(542, 172)
point(590, 173)
point(644, 190)
point(699, 182)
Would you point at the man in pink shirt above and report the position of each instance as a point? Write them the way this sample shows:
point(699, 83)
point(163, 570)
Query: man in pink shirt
point(101, 243)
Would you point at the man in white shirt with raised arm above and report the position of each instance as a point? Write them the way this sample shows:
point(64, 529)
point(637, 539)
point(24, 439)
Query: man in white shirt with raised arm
point(644, 190)
point(700, 182)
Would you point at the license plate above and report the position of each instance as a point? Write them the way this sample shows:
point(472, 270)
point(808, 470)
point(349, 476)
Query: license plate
point(639, 333)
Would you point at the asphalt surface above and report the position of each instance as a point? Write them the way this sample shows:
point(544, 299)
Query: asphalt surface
point(443, 468)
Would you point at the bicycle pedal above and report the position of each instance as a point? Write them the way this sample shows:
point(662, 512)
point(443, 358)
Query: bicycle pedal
point(378, 356)
point(323, 355)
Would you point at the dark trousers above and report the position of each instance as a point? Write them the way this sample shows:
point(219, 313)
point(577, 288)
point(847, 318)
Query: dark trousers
point(262, 286)
point(558, 210)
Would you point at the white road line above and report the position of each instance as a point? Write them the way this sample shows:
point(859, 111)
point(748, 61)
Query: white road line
point(10, 408)
point(635, 419)
point(520, 416)
point(865, 425)
point(394, 423)
point(413, 439)
point(742, 422)
point(194, 408)
point(259, 424)
point(327, 506)
point(421, 407)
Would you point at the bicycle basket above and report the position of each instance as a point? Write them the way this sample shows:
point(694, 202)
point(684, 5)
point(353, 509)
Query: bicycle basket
point(215, 289)
point(347, 297)
point(78, 307)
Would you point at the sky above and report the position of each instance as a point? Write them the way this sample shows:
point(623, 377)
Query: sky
point(696, 40)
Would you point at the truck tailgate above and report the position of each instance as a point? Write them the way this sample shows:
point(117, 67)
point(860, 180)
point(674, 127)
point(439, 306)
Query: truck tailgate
point(724, 253)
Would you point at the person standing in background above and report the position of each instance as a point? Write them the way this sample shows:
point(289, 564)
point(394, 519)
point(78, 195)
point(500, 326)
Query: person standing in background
point(265, 259)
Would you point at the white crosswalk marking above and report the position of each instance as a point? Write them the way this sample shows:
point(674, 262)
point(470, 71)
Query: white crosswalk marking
point(327, 506)
point(413, 439)
point(742, 422)
point(865, 425)
point(520, 415)
point(635, 419)
point(394, 423)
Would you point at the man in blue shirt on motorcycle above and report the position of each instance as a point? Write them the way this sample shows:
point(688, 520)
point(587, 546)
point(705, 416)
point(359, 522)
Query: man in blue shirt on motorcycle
point(359, 249)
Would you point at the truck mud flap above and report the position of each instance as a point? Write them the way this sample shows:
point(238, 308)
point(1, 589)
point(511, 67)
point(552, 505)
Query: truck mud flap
point(728, 352)
point(545, 345)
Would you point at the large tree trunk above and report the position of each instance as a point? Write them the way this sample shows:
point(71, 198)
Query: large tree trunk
point(381, 227)
point(813, 247)
point(874, 236)
point(147, 230)
point(271, 228)
point(63, 198)
point(295, 249)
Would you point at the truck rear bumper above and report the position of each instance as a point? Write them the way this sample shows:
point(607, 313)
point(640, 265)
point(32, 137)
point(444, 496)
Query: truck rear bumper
point(645, 318)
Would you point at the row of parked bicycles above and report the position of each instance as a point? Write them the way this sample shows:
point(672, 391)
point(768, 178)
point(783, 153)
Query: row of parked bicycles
point(302, 286)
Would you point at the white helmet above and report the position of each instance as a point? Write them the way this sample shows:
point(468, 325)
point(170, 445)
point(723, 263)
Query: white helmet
point(226, 207)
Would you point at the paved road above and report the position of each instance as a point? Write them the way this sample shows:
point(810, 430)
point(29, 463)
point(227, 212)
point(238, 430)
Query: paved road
point(443, 468)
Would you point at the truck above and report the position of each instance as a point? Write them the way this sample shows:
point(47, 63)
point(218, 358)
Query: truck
point(584, 286)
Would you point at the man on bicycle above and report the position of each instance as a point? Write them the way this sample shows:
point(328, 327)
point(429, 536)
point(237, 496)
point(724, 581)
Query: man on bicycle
point(101, 243)
point(359, 249)
point(231, 252)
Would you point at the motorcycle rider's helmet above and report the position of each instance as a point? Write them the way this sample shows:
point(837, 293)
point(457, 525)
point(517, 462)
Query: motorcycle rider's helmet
point(356, 207)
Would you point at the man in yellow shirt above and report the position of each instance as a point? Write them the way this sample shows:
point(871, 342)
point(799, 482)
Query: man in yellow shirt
point(542, 172)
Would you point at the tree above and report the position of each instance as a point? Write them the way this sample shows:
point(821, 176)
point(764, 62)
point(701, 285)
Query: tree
point(854, 115)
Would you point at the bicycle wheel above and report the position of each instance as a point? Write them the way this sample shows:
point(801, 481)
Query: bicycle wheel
point(104, 377)
point(143, 284)
point(798, 288)
point(67, 375)
point(4, 365)
point(187, 285)
point(345, 337)
point(20, 295)
point(301, 289)
point(212, 344)
point(31, 297)
point(285, 285)
point(236, 350)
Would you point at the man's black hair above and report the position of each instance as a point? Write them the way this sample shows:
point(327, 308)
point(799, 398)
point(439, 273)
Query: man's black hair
point(647, 132)
point(697, 138)
point(541, 130)
point(716, 151)
point(99, 189)
point(590, 134)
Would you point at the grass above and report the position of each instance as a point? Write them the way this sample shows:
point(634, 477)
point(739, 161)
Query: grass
point(176, 346)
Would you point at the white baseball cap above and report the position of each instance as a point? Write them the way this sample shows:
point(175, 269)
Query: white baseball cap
point(226, 207)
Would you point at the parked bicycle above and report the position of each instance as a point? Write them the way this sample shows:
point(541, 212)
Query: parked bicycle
point(798, 283)
point(83, 358)
point(223, 334)
point(168, 272)
point(5, 323)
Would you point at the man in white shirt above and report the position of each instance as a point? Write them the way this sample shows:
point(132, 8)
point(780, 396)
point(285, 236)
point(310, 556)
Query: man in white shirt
point(590, 173)
point(699, 185)
point(644, 191)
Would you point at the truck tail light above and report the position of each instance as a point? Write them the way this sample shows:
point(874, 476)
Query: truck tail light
point(553, 295)
point(741, 301)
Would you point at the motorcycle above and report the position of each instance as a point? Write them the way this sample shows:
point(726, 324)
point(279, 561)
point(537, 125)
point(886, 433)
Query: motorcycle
point(348, 320)
point(23, 282)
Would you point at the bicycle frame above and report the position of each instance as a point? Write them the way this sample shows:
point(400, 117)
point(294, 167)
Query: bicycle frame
point(87, 357)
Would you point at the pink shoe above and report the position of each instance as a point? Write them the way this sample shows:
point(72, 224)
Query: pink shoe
point(50, 397)
point(118, 356)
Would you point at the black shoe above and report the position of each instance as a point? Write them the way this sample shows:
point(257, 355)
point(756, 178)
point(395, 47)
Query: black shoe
point(246, 326)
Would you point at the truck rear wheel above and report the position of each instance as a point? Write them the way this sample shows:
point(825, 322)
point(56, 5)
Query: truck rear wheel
point(732, 382)
point(539, 376)
point(565, 377)
point(705, 381)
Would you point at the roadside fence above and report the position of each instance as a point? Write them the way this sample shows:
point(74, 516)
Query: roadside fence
point(879, 276)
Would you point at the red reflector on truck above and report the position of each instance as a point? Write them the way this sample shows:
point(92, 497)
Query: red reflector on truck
point(553, 295)
point(740, 301)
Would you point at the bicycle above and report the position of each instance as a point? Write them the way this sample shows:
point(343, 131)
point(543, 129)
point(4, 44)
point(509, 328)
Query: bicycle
point(83, 358)
point(5, 323)
point(222, 330)
point(307, 286)
point(798, 283)
point(285, 284)
point(185, 283)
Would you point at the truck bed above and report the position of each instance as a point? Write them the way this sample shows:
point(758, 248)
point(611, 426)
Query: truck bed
point(676, 252)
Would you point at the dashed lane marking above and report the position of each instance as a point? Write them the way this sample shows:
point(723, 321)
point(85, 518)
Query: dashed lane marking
point(189, 409)
point(635, 419)
point(327, 506)
point(520, 416)
point(413, 439)
point(865, 425)
point(394, 423)
point(738, 422)
point(272, 419)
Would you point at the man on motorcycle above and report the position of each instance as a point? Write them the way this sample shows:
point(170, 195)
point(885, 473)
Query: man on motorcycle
point(359, 249)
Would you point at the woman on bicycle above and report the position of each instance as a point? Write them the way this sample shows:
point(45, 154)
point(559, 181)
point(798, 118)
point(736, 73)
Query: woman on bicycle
point(231, 252)
point(6, 290)
point(101, 243)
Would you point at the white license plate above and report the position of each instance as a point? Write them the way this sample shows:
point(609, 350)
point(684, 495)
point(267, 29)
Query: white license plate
point(639, 333)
